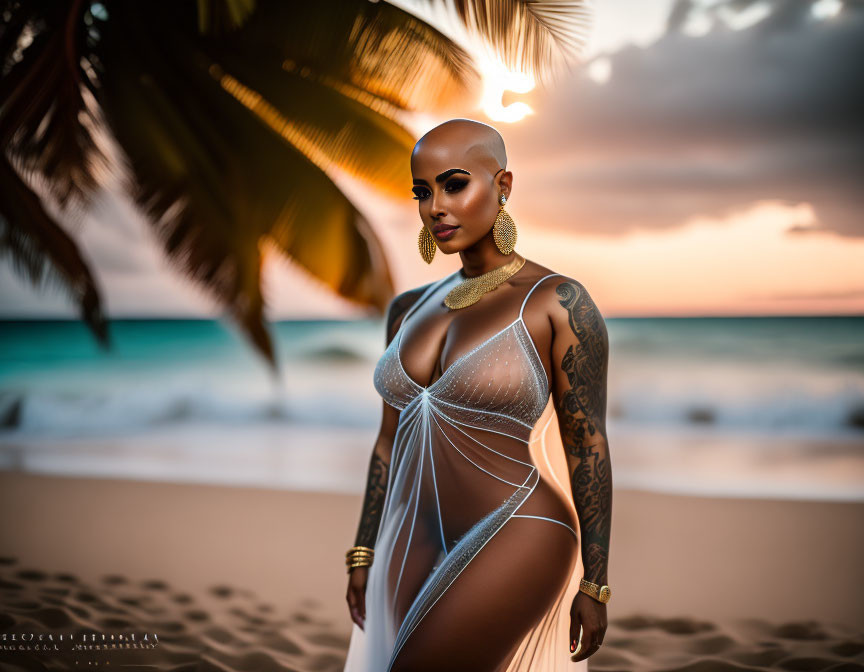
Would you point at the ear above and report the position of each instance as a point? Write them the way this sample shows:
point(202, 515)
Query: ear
point(505, 183)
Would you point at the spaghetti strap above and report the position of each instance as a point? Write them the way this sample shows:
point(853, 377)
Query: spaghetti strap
point(429, 290)
point(536, 284)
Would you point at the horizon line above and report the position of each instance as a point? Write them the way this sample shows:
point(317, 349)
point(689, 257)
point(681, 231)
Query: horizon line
point(194, 318)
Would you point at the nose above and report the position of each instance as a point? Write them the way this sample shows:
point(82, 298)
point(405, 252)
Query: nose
point(435, 209)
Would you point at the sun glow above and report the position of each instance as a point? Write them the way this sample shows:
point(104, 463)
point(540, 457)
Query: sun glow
point(496, 80)
point(826, 9)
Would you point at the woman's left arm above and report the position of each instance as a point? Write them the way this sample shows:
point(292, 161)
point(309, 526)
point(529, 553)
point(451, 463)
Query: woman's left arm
point(580, 356)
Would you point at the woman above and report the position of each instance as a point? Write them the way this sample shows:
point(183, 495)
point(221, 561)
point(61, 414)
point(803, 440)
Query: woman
point(467, 552)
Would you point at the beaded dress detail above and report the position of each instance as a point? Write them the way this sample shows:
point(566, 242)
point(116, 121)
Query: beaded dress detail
point(469, 451)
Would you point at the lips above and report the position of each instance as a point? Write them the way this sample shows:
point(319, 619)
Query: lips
point(443, 228)
point(442, 232)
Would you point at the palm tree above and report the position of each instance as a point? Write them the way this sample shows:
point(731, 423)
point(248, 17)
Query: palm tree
point(228, 114)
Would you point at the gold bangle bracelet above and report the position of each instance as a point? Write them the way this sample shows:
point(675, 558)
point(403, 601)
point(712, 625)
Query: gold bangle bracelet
point(359, 556)
point(359, 548)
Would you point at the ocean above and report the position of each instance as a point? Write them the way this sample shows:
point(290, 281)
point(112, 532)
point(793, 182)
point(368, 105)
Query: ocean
point(738, 407)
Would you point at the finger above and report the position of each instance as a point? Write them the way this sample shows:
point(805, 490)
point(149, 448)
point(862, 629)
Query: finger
point(575, 627)
point(587, 645)
point(353, 608)
point(590, 652)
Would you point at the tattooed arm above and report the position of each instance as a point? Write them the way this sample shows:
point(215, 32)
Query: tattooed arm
point(379, 462)
point(580, 354)
point(378, 473)
point(376, 479)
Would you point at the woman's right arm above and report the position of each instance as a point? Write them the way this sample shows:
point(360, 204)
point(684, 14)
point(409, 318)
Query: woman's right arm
point(376, 479)
point(378, 473)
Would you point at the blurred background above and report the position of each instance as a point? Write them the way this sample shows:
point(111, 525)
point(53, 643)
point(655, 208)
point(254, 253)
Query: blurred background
point(211, 311)
point(205, 208)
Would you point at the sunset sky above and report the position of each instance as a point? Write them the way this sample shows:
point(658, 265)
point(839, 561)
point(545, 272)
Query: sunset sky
point(700, 162)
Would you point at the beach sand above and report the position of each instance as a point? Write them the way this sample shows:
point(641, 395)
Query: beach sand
point(235, 578)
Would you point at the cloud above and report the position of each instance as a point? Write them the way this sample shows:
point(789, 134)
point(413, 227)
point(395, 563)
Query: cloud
point(704, 125)
point(741, 264)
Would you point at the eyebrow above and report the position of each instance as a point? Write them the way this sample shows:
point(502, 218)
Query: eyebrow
point(443, 176)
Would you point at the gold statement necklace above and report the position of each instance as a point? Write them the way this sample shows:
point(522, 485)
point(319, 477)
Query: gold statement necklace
point(469, 291)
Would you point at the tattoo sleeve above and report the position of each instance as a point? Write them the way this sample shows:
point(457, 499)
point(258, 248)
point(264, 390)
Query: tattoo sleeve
point(580, 354)
point(373, 500)
point(379, 462)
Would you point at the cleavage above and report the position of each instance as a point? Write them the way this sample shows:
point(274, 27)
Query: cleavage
point(426, 334)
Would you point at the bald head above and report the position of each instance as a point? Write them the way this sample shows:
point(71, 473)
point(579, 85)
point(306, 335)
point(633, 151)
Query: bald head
point(473, 139)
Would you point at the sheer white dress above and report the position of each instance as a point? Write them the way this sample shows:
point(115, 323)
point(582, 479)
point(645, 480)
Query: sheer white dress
point(473, 450)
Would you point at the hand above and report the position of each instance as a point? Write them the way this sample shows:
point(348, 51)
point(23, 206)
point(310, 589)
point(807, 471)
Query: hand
point(591, 615)
point(356, 595)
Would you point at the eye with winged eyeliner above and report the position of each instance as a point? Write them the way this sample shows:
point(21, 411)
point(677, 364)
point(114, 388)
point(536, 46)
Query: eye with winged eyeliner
point(451, 187)
point(421, 194)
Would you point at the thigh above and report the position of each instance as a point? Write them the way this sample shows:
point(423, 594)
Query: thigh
point(503, 592)
point(412, 565)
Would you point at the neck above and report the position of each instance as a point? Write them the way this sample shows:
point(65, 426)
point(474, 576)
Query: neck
point(478, 264)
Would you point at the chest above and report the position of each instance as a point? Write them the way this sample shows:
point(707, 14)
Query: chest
point(473, 358)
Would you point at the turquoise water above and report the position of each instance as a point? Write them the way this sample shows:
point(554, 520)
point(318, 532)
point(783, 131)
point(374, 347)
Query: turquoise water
point(751, 381)
point(756, 373)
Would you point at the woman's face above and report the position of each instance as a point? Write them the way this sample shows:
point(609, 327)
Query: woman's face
point(457, 197)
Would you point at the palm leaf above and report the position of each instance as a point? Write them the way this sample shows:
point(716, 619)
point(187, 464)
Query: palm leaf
point(47, 128)
point(344, 81)
point(530, 36)
point(189, 141)
point(216, 17)
point(42, 252)
point(374, 48)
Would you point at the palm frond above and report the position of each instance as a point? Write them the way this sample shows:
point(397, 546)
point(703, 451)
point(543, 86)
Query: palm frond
point(218, 17)
point(531, 36)
point(373, 49)
point(43, 110)
point(337, 87)
point(43, 253)
point(43, 129)
point(334, 130)
point(217, 182)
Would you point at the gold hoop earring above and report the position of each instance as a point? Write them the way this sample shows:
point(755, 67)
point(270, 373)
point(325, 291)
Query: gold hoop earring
point(427, 245)
point(504, 229)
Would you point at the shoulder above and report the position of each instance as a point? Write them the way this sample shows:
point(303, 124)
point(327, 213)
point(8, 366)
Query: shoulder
point(550, 289)
point(400, 304)
point(569, 306)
